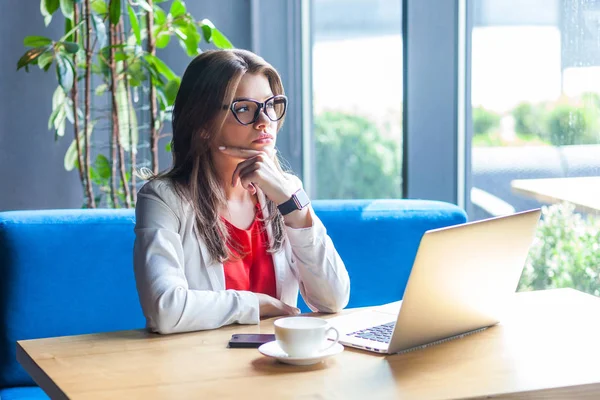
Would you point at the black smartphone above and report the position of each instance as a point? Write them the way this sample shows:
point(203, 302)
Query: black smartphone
point(249, 340)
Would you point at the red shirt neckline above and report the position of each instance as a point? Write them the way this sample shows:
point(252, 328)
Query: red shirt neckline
point(254, 271)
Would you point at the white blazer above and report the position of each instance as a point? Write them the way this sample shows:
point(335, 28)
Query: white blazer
point(182, 289)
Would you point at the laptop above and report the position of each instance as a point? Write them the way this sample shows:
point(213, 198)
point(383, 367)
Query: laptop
point(462, 277)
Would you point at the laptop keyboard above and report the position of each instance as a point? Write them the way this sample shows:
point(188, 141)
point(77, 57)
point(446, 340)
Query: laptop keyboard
point(379, 333)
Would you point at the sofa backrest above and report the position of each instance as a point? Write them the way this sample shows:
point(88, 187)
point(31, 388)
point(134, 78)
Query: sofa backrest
point(378, 241)
point(69, 272)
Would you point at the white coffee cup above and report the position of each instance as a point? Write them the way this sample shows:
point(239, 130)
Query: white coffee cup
point(303, 336)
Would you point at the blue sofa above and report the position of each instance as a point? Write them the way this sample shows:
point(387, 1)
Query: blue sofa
point(69, 272)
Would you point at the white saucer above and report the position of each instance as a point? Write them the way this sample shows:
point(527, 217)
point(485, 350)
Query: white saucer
point(272, 349)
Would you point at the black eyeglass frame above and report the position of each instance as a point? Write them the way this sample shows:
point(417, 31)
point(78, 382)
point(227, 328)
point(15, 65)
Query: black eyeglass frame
point(260, 107)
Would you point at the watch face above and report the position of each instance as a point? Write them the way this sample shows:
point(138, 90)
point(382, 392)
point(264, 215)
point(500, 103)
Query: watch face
point(301, 199)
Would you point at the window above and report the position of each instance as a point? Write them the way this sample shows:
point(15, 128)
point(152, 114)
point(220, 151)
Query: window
point(357, 98)
point(536, 130)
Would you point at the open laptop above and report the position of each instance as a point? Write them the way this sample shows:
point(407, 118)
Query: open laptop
point(461, 278)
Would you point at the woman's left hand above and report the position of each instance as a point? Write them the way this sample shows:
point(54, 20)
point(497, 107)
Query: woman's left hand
point(258, 169)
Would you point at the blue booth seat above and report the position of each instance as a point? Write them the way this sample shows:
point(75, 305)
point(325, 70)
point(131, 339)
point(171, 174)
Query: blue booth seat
point(69, 272)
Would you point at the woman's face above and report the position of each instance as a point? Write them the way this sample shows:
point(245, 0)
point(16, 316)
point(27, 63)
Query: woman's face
point(260, 135)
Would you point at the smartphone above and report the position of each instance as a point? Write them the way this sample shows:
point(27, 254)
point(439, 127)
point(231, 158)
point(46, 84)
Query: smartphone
point(249, 340)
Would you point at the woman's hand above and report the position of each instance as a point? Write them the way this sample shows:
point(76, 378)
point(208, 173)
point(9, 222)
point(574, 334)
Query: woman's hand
point(272, 307)
point(258, 169)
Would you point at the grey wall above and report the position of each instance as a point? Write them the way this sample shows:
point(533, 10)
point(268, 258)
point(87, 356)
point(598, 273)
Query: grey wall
point(31, 162)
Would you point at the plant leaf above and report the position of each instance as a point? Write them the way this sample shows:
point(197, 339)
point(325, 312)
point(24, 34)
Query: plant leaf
point(70, 47)
point(70, 160)
point(45, 13)
point(45, 59)
point(68, 28)
point(65, 72)
point(207, 32)
point(58, 97)
point(99, 30)
point(177, 8)
point(103, 167)
point(192, 41)
point(99, 7)
point(68, 34)
point(68, 107)
point(208, 22)
point(171, 89)
point(66, 6)
point(159, 16)
point(52, 117)
point(144, 4)
point(127, 119)
point(135, 25)
point(30, 56)
point(71, 154)
point(115, 11)
point(168, 147)
point(120, 56)
point(47, 8)
point(161, 66)
point(101, 89)
point(162, 40)
point(60, 122)
point(36, 41)
point(221, 40)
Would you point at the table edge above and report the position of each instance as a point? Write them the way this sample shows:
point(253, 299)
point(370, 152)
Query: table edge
point(38, 374)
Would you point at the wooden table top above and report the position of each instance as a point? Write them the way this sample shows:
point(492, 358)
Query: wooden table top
point(583, 192)
point(547, 346)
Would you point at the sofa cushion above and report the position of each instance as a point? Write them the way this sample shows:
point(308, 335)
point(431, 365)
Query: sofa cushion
point(64, 272)
point(23, 393)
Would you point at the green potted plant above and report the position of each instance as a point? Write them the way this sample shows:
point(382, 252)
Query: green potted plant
point(108, 54)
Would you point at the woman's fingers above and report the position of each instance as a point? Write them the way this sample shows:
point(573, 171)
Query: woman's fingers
point(239, 152)
point(246, 175)
point(286, 309)
point(239, 167)
point(272, 307)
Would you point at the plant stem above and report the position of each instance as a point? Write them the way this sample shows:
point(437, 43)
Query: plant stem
point(88, 84)
point(129, 105)
point(115, 117)
point(75, 99)
point(153, 113)
point(133, 152)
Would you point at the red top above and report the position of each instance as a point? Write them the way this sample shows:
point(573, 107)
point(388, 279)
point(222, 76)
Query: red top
point(254, 272)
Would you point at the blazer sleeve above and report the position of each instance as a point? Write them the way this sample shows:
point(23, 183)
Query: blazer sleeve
point(323, 278)
point(167, 301)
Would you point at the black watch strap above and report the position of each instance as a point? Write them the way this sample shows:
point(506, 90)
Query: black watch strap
point(298, 201)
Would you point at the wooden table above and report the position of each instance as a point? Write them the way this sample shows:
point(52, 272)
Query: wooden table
point(549, 347)
point(583, 192)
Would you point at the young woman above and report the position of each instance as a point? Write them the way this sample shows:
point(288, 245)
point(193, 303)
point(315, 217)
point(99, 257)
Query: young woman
point(226, 236)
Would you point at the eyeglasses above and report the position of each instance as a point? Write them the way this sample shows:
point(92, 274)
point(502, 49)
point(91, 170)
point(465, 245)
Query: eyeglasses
point(246, 111)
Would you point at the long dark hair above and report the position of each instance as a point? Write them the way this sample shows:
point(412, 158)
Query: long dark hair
point(209, 82)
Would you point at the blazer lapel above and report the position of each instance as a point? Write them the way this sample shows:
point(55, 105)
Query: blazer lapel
point(216, 274)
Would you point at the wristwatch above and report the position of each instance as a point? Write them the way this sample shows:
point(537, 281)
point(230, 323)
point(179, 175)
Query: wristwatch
point(298, 201)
